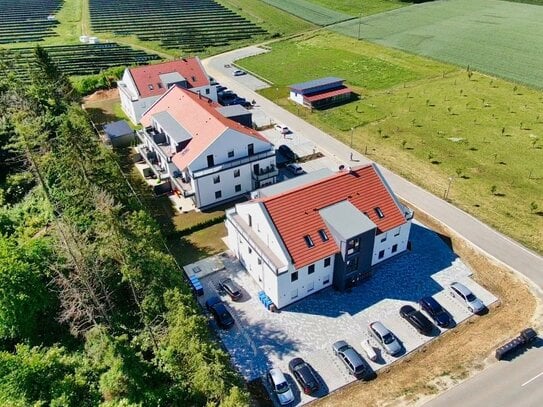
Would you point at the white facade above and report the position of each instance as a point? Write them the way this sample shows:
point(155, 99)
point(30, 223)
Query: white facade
point(134, 106)
point(296, 97)
point(233, 173)
point(390, 243)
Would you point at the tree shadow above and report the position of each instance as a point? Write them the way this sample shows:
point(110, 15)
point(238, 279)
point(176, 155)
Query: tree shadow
point(100, 116)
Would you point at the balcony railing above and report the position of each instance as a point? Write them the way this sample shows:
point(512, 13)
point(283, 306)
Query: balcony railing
point(265, 173)
point(147, 156)
point(233, 163)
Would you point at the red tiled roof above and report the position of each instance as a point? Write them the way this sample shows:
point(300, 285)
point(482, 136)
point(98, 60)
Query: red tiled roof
point(295, 213)
point(199, 116)
point(324, 95)
point(190, 68)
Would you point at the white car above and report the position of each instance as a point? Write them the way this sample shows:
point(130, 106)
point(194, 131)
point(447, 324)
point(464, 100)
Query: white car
point(280, 386)
point(281, 128)
point(296, 169)
point(239, 72)
point(466, 297)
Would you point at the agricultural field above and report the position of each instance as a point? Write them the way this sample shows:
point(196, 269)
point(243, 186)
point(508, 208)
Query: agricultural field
point(357, 7)
point(80, 59)
point(26, 20)
point(440, 126)
point(187, 25)
point(310, 11)
point(495, 37)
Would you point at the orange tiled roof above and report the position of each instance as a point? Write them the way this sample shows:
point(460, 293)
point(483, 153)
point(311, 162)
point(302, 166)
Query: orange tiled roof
point(145, 75)
point(199, 116)
point(295, 213)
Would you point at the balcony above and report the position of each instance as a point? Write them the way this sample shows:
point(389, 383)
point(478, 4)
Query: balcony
point(150, 136)
point(151, 159)
point(178, 183)
point(265, 173)
point(233, 163)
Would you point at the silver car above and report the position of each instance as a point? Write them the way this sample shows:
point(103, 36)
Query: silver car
point(280, 386)
point(386, 339)
point(465, 296)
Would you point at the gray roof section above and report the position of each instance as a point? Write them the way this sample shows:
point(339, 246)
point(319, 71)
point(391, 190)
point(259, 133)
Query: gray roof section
point(314, 83)
point(172, 127)
point(118, 129)
point(232, 110)
point(346, 220)
point(170, 78)
point(292, 183)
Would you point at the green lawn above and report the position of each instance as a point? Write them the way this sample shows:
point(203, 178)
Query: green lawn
point(310, 11)
point(357, 7)
point(496, 37)
point(430, 122)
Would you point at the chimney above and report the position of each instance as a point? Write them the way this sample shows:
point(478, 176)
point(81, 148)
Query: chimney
point(199, 95)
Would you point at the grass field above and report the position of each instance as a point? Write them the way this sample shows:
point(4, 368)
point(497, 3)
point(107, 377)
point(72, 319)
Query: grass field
point(496, 37)
point(310, 11)
point(431, 123)
point(357, 7)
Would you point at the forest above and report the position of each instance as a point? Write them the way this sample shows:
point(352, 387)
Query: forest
point(93, 308)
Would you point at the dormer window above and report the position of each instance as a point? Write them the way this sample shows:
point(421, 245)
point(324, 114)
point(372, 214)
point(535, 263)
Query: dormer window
point(150, 87)
point(379, 212)
point(323, 235)
point(309, 241)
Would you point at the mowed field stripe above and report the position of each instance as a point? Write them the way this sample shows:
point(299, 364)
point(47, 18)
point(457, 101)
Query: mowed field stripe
point(495, 37)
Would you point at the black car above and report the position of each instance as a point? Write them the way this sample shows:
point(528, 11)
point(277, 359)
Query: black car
point(417, 319)
point(436, 311)
point(231, 288)
point(304, 375)
point(287, 152)
point(220, 313)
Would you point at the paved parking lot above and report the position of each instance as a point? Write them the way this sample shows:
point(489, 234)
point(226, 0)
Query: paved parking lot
point(262, 339)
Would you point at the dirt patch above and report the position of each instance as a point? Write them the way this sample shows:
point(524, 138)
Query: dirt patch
point(459, 353)
point(104, 94)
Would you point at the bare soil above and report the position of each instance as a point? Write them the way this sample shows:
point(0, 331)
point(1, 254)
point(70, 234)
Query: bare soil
point(101, 95)
point(459, 353)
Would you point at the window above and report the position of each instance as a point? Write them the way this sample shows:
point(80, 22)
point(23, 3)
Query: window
point(294, 277)
point(250, 149)
point(353, 245)
point(352, 264)
point(381, 254)
point(384, 238)
point(250, 220)
point(250, 250)
point(394, 248)
point(216, 179)
point(259, 261)
point(308, 241)
point(150, 87)
point(311, 269)
point(397, 233)
point(326, 281)
point(230, 153)
point(323, 235)
point(327, 262)
point(237, 188)
point(379, 212)
point(218, 194)
point(236, 173)
point(210, 160)
point(207, 91)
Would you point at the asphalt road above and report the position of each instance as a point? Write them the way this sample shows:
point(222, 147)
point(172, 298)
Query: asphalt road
point(504, 383)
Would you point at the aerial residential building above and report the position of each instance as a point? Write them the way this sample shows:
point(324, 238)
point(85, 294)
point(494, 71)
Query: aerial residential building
point(204, 150)
point(141, 86)
point(317, 230)
point(321, 93)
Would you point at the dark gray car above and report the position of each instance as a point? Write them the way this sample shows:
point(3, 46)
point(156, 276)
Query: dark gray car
point(350, 358)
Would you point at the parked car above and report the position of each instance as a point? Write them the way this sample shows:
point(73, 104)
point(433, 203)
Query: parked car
point(280, 386)
point(304, 375)
point(386, 339)
point(350, 358)
point(369, 350)
point(219, 311)
point(287, 152)
point(465, 296)
point(417, 320)
point(231, 288)
point(281, 128)
point(296, 169)
point(239, 72)
point(221, 88)
point(436, 311)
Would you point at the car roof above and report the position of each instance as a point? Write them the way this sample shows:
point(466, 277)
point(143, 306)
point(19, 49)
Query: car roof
point(462, 288)
point(295, 362)
point(431, 302)
point(277, 375)
point(212, 301)
point(380, 328)
point(353, 356)
point(407, 309)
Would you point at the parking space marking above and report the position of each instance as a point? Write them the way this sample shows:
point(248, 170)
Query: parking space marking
point(531, 380)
